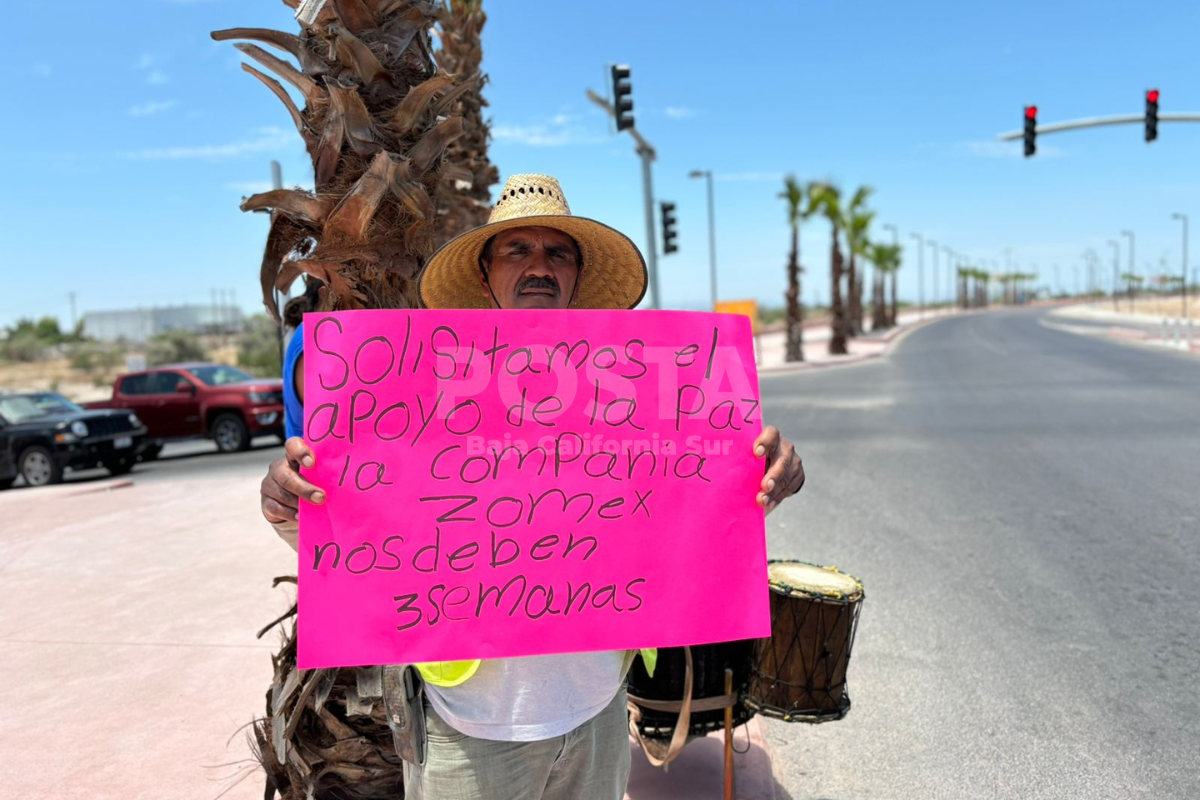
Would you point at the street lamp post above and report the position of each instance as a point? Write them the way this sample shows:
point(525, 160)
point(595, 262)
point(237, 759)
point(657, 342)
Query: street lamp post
point(949, 274)
point(712, 232)
point(920, 274)
point(1132, 264)
point(1183, 275)
point(933, 295)
point(1116, 270)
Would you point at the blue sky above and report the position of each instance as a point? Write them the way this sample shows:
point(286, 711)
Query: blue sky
point(131, 136)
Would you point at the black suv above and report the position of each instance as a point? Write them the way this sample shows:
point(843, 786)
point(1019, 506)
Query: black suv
point(43, 433)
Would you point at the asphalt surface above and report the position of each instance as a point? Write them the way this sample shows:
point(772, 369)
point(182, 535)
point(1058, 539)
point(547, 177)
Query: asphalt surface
point(196, 458)
point(1023, 507)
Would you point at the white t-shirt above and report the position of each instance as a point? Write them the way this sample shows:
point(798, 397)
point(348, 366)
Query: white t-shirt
point(529, 699)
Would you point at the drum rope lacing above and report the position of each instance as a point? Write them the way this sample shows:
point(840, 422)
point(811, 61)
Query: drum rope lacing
point(823, 702)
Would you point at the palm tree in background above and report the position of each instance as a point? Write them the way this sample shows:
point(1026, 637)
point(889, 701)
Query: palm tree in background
point(798, 211)
point(1131, 279)
point(887, 261)
point(827, 198)
point(857, 222)
point(881, 256)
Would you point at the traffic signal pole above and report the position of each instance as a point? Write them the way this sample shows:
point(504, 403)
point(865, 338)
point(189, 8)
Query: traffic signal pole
point(646, 152)
point(1150, 118)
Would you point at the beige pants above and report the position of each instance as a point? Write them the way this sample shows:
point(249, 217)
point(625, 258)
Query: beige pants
point(590, 762)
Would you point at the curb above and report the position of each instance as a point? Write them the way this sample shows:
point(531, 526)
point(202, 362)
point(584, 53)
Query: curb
point(101, 486)
point(69, 490)
point(889, 340)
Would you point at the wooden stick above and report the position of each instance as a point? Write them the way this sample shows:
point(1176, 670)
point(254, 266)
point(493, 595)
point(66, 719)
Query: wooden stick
point(729, 736)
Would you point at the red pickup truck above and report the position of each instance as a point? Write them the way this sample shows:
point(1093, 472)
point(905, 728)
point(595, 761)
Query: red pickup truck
point(187, 401)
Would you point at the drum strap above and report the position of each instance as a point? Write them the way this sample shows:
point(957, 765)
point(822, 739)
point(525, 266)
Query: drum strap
point(703, 704)
point(657, 752)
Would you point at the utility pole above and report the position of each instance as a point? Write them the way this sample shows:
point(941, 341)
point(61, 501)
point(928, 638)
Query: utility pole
point(1183, 272)
point(277, 183)
point(712, 232)
point(74, 323)
point(647, 153)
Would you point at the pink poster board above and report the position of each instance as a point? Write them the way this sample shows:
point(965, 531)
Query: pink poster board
point(514, 483)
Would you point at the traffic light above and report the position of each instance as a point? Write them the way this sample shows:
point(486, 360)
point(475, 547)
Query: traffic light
point(1151, 114)
point(622, 95)
point(668, 228)
point(1030, 130)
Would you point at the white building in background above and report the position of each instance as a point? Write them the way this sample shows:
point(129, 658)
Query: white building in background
point(140, 325)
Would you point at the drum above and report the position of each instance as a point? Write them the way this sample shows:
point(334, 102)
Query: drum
point(660, 699)
point(799, 673)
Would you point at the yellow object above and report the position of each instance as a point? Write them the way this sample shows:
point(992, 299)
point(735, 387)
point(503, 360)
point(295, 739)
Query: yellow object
point(747, 308)
point(452, 673)
point(447, 673)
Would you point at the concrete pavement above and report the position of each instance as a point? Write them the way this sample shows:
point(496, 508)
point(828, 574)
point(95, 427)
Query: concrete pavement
point(127, 619)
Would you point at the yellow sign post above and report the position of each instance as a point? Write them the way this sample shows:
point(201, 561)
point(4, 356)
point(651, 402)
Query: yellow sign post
point(747, 308)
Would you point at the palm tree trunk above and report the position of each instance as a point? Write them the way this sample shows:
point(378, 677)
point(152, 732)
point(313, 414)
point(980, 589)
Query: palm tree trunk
point(879, 311)
point(795, 314)
point(838, 321)
point(892, 319)
point(853, 286)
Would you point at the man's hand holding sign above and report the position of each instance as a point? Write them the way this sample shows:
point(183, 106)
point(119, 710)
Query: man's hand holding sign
point(496, 486)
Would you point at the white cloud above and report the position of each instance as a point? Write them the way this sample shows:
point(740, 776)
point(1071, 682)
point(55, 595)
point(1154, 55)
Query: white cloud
point(749, 177)
point(269, 140)
point(41, 69)
point(556, 134)
point(153, 107)
point(990, 148)
point(149, 64)
point(677, 112)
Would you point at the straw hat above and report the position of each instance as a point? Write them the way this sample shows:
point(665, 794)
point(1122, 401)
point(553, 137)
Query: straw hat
point(613, 273)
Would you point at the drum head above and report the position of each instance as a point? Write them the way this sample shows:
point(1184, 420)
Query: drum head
point(799, 578)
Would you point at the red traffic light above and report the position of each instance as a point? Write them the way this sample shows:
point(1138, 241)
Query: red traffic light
point(1031, 112)
point(1152, 96)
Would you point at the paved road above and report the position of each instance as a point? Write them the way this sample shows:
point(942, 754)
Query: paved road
point(1023, 506)
point(191, 459)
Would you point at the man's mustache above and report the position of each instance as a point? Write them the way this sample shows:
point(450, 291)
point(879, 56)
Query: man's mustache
point(538, 282)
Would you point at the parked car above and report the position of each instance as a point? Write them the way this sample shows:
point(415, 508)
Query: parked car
point(188, 401)
point(43, 433)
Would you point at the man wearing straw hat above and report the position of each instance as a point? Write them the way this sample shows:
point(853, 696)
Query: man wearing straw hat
point(542, 727)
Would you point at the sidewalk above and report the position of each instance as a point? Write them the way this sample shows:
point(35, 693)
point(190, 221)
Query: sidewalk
point(772, 346)
point(1150, 329)
point(127, 620)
